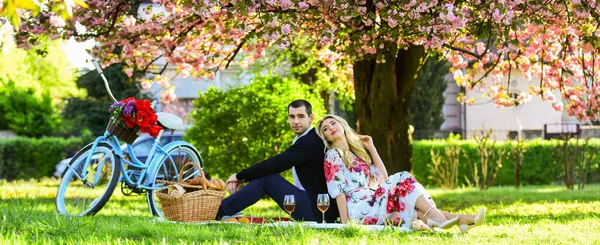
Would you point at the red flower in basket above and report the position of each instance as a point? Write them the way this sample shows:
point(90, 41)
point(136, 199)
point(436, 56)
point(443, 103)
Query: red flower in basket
point(136, 114)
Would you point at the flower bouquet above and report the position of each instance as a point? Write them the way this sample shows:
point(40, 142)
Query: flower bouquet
point(130, 116)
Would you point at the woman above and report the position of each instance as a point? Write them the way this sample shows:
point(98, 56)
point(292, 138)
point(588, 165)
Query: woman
point(397, 200)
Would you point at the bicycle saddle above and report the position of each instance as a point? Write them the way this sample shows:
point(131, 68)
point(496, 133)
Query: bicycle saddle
point(169, 120)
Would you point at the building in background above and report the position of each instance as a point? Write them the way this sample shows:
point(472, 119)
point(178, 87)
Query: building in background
point(529, 117)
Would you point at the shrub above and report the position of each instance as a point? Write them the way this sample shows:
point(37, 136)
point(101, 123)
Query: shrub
point(515, 153)
point(538, 167)
point(236, 128)
point(444, 168)
point(25, 113)
point(485, 171)
point(25, 158)
point(575, 158)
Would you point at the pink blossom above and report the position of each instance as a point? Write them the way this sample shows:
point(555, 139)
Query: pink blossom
point(146, 84)
point(129, 71)
point(56, 21)
point(286, 4)
point(392, 22)
point(273, 22)
point(243, 65)
point(168, 96)
point(196, 37)
point(285, 29)
point(129, 21)
point(283, 45)
point(362, 10)
point(557, 106)
point(548, 95)
point(303, 6)
point(523, 98)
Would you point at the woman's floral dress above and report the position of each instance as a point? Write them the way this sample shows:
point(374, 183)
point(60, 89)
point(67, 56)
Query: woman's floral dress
point(391, 202)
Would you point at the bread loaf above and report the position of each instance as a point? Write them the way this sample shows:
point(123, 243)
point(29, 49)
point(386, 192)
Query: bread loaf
point(216, 184)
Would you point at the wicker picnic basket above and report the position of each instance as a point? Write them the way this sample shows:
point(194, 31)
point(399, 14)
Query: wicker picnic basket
point(198, 203)
point(121, 131)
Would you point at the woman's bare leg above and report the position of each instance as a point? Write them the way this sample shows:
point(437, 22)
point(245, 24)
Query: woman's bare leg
point(422, 205)
point(421, 216)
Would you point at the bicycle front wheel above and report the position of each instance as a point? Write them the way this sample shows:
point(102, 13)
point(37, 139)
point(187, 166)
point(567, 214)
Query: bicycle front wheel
point(168, 170)
point(86, 187)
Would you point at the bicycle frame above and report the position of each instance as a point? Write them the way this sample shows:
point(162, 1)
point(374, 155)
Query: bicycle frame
point(161, 165)
point(146, 167)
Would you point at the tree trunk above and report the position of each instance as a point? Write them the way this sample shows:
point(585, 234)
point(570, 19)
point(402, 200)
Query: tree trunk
point(518, 165)
point(329, 100)
point(383, 92)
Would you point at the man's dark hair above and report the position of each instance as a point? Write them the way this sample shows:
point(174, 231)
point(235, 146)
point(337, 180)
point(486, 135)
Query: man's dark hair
point(301, 103)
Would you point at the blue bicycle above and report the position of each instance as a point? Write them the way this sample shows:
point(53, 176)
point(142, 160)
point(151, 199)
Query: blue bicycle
point(92, 175)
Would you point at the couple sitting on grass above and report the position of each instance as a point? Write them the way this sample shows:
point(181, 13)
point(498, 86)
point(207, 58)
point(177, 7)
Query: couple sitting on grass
point(350, 170)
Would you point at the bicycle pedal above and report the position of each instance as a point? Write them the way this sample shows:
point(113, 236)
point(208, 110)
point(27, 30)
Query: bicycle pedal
point(129, 189)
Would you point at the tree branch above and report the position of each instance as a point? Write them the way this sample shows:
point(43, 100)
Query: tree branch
point(232, 55)
point(462, 51)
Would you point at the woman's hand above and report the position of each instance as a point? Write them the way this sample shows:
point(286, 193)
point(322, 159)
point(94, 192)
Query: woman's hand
point(367, 141)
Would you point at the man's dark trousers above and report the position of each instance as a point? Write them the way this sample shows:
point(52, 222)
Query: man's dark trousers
point(274, 186)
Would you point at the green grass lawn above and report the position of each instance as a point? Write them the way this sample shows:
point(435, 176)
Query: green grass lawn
point(530, 215)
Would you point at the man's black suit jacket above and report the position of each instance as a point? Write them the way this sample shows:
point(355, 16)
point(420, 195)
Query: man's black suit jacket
point(307, 155)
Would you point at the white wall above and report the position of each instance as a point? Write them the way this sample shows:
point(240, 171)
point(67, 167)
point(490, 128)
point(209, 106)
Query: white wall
point(7, 134)
point(532, 115)
point(452, 110)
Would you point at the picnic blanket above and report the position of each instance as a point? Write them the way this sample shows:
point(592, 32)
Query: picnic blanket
point(286, 222)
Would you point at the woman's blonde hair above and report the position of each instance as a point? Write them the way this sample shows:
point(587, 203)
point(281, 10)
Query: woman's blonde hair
point(355, 145)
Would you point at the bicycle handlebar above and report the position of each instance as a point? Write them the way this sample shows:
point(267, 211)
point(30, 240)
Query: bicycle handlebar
point(99, 69)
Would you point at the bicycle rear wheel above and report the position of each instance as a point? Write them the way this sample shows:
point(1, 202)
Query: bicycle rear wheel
point(168, 170)
point(85, 188)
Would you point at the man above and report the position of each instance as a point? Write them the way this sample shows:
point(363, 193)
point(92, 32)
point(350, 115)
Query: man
point(305, 157)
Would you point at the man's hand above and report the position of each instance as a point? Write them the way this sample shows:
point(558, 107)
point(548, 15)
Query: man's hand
point(233, 184)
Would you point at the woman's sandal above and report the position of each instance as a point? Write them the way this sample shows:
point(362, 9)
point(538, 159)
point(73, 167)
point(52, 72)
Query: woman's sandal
point(479, 219)
point(443, 225)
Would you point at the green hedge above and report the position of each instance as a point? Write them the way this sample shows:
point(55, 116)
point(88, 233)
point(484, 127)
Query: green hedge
point(539, 166)
point(25, 158)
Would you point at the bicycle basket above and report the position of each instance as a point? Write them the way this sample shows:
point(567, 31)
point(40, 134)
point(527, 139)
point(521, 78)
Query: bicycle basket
point(197, 204)
point(122, 131)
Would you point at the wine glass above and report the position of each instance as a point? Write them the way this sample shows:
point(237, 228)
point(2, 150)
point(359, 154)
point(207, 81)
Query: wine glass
point(323, 204)
point(289, 204)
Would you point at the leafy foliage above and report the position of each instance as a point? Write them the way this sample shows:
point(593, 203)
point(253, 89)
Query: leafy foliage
point(236, 128)
point(13, 9)
point(44, 68)
point(309, 69)
point(427, 97)
point(91, 112)
point(26, 113)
